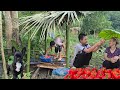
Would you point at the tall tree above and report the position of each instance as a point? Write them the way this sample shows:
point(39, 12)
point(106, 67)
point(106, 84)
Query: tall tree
point(15, 26)
point(114, 16)
point(8, 28)
point(2, 49)
point(95, 22)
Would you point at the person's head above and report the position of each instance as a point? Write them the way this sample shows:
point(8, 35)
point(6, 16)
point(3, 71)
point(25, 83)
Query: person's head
point(52, 44)
point(82, 38)
point(113, 42)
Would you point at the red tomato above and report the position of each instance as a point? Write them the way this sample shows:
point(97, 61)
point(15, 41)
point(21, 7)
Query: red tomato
point(80, 73)
point(108, 71)
point(115, 74)
point(103, 77)
point(75, 77)
point(72, 71)
point(94, 69)
point(96, 78)
point(87, 71)
point(103, 69)
point(84, 76)
point(108, 75)
point(47, 56)
point(90, 77)
point(67, 76)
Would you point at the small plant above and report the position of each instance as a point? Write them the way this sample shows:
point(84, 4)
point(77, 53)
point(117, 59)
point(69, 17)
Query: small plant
point(10, 60)
point(25, 76)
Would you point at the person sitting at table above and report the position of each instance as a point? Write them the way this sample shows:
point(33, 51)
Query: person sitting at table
point(112, 55)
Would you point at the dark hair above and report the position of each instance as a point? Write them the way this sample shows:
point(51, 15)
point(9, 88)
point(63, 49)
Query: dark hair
point(115, 40)
point(52, 43)
point(81, 36)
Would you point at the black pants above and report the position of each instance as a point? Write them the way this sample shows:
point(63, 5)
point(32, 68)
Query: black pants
point(82, 59)
point(58, 49)
point(109, 65)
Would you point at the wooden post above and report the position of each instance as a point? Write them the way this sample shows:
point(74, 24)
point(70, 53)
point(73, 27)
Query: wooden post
point(67, 45)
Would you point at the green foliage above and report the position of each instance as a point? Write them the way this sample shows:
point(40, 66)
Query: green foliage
point(95, 22)
point(26, 75)
point(97, 58)
point(10, 60)
point(114, 16)
point(15, 45)
point(109, 33)
point(28, 13)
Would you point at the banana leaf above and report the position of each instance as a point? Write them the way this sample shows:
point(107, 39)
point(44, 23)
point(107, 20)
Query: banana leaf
point(108, 34)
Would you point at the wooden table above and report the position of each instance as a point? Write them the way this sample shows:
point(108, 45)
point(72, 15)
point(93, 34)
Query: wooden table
point(45, 65)
point(48, 65)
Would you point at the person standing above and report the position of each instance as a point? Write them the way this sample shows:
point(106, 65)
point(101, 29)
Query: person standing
point(58, 44)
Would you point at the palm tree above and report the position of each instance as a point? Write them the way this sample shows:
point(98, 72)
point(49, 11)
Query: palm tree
point(49, 21)
point(2, 49)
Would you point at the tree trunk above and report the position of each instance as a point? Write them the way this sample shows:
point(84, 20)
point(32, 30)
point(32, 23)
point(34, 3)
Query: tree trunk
point(28, 53)
point(8, 28)
point(67, 45)
point(15, 24)
point(2, 49)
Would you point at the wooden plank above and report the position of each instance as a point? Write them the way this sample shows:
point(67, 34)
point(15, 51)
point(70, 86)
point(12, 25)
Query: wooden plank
point(48, 65)
point(35, 74)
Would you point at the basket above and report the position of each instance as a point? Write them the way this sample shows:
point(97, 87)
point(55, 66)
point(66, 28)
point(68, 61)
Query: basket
point(43, 59)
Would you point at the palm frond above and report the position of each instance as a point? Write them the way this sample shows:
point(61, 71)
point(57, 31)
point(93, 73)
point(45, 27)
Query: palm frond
point(47, 21)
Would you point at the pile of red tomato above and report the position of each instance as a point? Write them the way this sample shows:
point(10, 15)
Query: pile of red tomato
point(47, 56)
point(93, 73)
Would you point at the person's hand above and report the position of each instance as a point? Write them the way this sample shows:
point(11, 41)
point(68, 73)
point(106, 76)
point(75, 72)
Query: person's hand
point(99, 43)
point(114, 59)
point(102, 41)
point(46, 55)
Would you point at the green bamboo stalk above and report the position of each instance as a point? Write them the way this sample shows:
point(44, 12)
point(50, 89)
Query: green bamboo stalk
point(67, 45)
point(45, 40)
point(28, 53)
